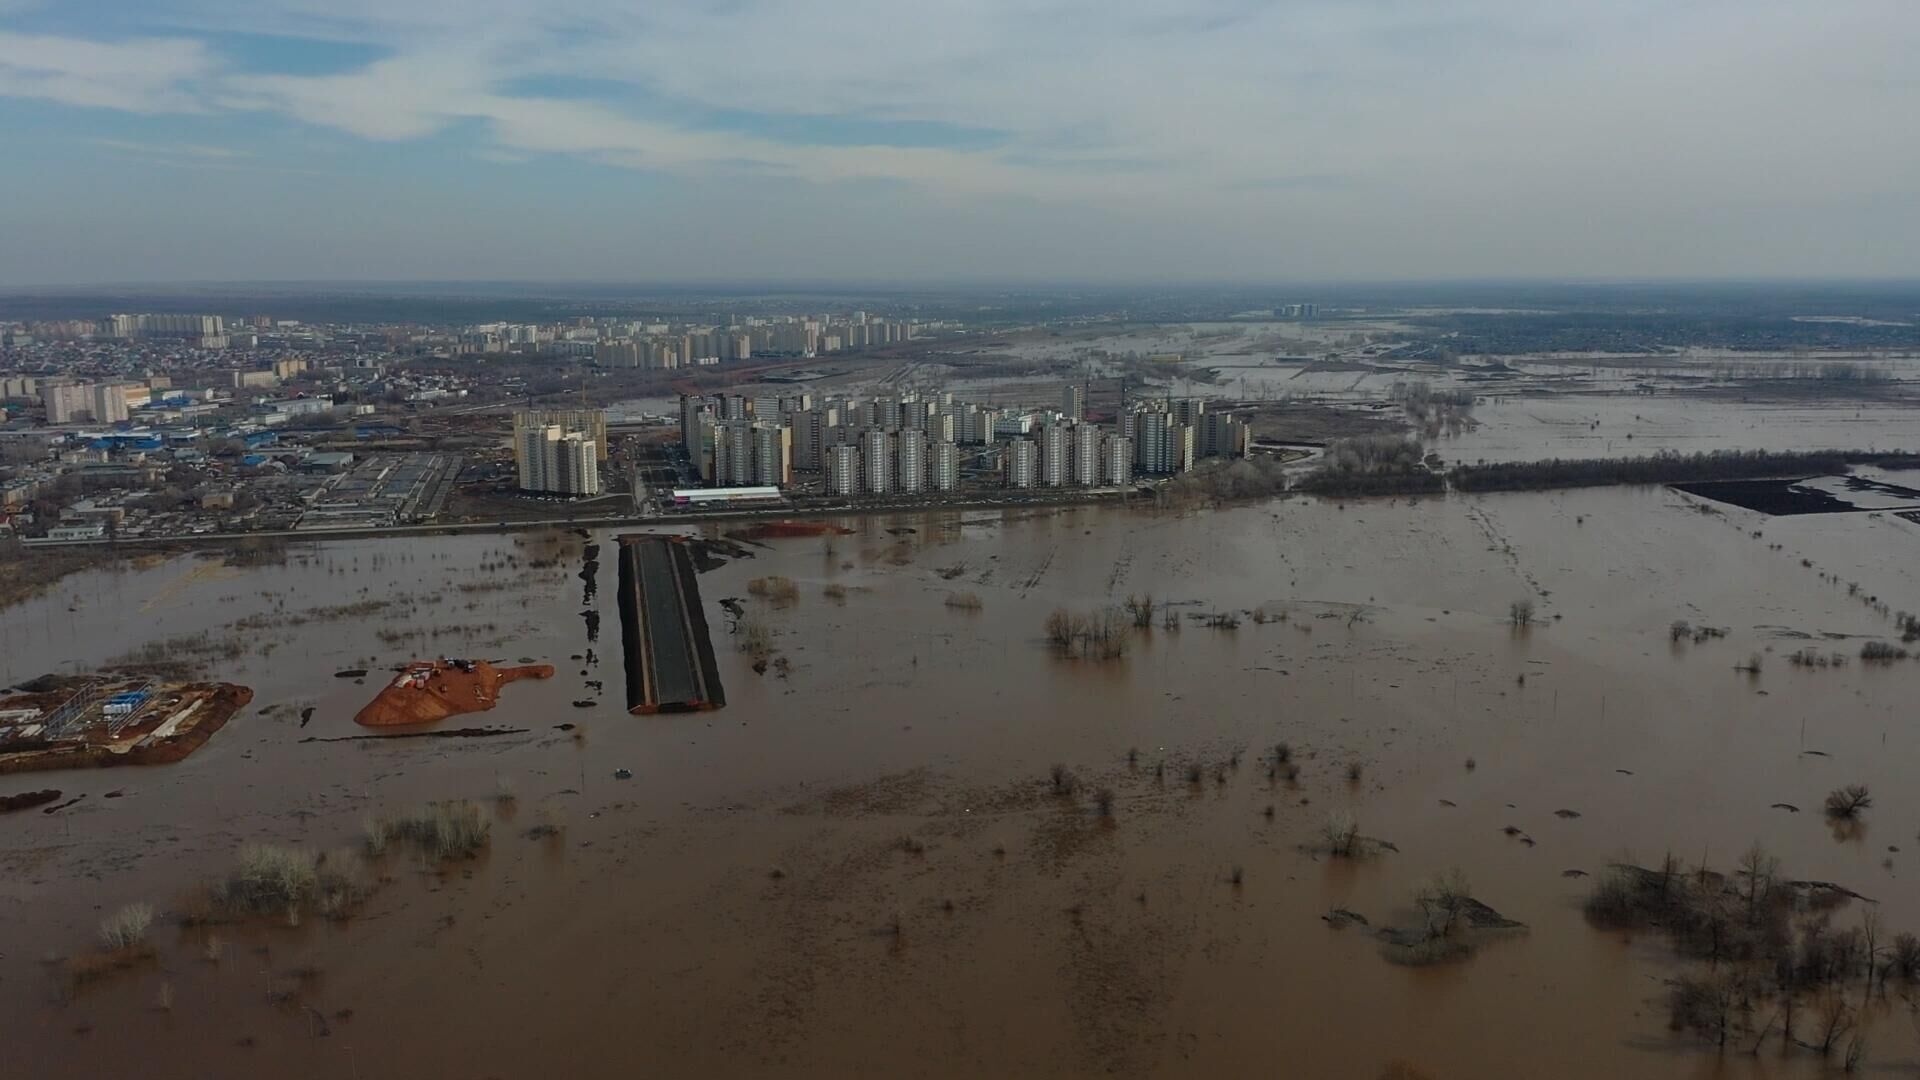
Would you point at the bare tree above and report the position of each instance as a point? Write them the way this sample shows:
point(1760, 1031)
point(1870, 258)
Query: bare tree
point(1141, 608)
point(1520, 613)
point(1443, 902)
point(1760, 869)
point(1060, 628)
point(1904, 957)
point(1848, 802)
point(1703, 1005)
point(1870, 933)
point(1835, 1018)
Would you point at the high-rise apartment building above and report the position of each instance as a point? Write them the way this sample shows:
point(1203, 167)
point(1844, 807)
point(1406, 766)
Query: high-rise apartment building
point(75, 403)
point(943, 466)
point(1151, 445)
point(910, 455)
point(843, 470)
point(876, 462)
point(1023, 459)
point(1084, 461)
point(977, 425)
point(590, 422)
point(554, 460)
point(733, 453)
point(940, 427)
point(1073, 401)
point(1222, 435)
point(691, 410)
point(620, 354)
point(807, 439)
point(1179, 449)
point(67, 403)
point(1116, 453)
point(110, 403)
point(576, 469)
point(1055, 446)
point(530, 455)
point(772, 454)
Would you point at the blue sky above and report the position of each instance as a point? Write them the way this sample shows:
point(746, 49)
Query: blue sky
point(1125, 140)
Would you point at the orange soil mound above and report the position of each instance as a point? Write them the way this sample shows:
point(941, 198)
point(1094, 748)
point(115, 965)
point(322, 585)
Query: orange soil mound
point(424, 692)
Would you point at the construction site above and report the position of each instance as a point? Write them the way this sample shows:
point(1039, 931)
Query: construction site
point(60, 723)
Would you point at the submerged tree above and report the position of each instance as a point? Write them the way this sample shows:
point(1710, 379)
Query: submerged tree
point(1847, 802)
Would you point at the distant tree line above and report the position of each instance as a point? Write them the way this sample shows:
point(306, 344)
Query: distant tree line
point(1666, 467)
point(1653, 333)
point(1392, 465)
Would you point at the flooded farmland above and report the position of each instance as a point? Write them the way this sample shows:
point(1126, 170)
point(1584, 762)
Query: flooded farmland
point(866, 865)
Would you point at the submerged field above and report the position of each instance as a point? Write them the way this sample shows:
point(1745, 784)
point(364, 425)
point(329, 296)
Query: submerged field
point(864, 864)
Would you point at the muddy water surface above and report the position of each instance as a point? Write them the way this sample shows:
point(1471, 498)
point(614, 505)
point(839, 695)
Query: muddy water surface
point(860, 869)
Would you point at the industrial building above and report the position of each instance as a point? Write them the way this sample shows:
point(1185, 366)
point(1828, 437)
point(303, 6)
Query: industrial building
point(693, 498)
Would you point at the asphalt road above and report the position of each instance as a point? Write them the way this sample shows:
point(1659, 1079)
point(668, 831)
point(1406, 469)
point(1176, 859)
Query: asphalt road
point(609, 520)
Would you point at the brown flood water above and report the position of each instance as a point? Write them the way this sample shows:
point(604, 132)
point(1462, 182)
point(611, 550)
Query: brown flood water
point(1033, 939)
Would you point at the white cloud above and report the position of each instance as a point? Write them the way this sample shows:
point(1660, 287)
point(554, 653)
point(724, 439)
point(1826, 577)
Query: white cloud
point(146, 75)
point(1516, 132)
point(180, 150)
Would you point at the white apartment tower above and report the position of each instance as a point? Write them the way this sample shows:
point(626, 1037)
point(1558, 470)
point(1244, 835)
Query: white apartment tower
point(67, 403)
point(1085, 459)
point(1117, 460)
point(1180, 448)
point(1055, 444)
point(876, 461)
point(733, 454)
point(843, 470)
point(911, 453)
point(1151, 444)
point(576, 465)
point(1022, 462)
point(530, 450)
point(944, 466)
point(772, 455)
point(691, 409)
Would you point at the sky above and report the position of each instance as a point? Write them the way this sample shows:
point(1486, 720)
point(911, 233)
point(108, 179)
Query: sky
point(1124, 141)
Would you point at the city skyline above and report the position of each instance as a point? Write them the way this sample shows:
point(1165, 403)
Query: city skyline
point(588, 140)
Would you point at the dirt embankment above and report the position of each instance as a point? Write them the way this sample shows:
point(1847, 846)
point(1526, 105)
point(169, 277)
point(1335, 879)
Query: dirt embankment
point(786, 530)
point(217, 703)
point(424, 692)
point(27, 800)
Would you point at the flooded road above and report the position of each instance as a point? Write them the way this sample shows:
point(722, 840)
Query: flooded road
point(861, 865)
